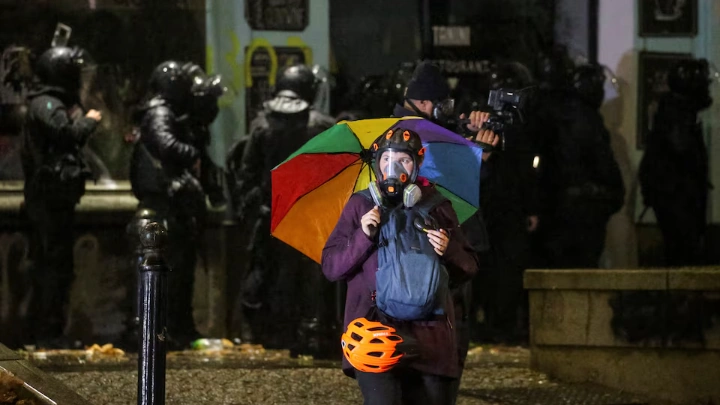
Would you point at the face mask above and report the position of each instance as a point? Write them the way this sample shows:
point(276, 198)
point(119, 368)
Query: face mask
point(443, 110)
point(411, 195)
point(394, 180)
point(395, 170)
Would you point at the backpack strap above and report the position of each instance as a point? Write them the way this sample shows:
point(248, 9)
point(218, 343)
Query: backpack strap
point(365, 193)
point(427, 204)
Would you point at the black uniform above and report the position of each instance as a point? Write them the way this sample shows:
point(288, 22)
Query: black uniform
point(55, 131)
point(674, 170)
point(163, 180)
point(279, 296)
point(580, 181)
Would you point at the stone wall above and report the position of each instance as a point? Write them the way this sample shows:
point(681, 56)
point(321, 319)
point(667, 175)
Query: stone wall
point(652, 332)
point(104, 268)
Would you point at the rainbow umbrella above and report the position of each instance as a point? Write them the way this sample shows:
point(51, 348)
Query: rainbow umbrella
point(311, 187)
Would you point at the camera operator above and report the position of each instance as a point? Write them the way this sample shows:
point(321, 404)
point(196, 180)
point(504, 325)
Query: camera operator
point(579, 177)
point(509, 202)
point(428, 96)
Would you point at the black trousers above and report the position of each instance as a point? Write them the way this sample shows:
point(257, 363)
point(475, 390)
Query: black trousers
point(682, 221)
point(573, 245)
point(405, 387)
point(285, 298)
point(52, 269)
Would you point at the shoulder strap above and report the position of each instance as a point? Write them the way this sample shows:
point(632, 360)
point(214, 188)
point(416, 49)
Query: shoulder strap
point(365, 193)
point(425, 205)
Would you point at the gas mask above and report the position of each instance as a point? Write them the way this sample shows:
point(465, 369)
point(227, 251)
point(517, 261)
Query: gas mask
point(394, 182)
point(442, 112)
point(205, 94)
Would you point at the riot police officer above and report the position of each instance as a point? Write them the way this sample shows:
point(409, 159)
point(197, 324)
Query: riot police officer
point(56, 128)
point(205, 93)
point(674, 171)
point(580, 181)
point(280, 283)
point(163, 175)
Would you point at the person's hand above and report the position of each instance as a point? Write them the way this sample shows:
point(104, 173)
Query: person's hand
point(477, 118)
point(439, 240)
point(532, 223)
point(370, 222)
point(94, 114)
point(489, 137)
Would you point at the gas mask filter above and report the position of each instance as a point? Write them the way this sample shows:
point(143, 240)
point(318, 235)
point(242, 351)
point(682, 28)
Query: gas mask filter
point(411, 195)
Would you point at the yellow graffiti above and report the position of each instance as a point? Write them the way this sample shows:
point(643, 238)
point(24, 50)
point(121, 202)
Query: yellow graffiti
point(231, 57)
point(254, 45)
point(209, 59)
point(306, 50)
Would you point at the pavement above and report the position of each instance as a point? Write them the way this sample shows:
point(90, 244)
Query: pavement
point(247, 374)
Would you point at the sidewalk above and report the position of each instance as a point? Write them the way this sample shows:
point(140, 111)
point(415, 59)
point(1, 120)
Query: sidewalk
point(494, 375)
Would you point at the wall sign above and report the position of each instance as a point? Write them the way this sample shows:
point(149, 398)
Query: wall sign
point(451, 35)
point(277, 15)
point(667, 18)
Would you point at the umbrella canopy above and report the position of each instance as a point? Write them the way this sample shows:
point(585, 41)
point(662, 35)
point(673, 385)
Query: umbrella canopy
point(311, 187)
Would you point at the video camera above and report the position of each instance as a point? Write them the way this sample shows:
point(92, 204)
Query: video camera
point(505, 106)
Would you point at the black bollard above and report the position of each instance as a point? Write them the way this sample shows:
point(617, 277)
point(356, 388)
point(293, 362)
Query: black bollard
point(133, 301)
point(152, 290)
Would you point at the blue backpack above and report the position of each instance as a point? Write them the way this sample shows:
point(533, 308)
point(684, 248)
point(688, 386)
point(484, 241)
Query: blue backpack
point(411, 282)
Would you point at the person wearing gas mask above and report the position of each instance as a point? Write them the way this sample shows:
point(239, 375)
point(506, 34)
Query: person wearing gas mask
point(55, 130)
point(428, 95)
point(351, 254)
point(509, 201)
point(674, 170)
point(580, 181)
point(164, 178)
point(281, 288)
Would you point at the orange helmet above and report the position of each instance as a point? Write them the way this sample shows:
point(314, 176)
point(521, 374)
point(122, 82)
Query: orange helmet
point(371, 346)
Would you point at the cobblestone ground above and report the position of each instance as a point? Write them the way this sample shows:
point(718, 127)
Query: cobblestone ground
point(494, 375)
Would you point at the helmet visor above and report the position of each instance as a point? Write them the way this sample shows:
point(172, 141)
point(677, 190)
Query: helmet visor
point(395, 164)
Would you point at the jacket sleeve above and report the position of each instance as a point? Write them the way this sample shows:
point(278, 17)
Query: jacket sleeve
point(348, 247)
point(66, 131)
point(248, 188)
point(460, 258)
point(162, 139)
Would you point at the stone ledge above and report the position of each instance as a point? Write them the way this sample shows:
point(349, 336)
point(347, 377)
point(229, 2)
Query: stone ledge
point(594, 279)
point(691, 278)
point(703, 279)
point(677, 375)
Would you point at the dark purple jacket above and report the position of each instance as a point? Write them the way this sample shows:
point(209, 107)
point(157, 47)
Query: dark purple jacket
point(350, 255)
